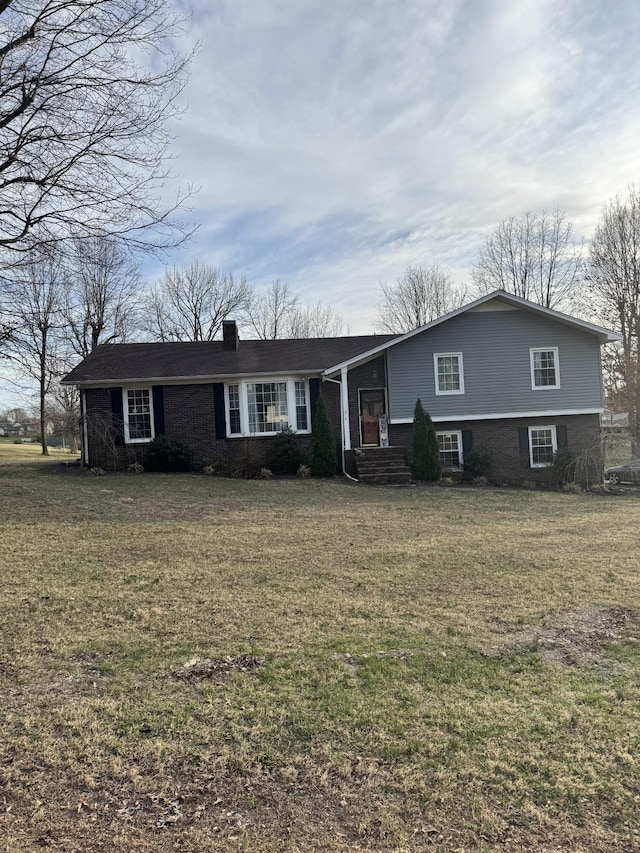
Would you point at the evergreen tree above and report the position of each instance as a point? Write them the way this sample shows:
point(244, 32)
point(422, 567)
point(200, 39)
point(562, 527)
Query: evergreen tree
point(323, 444)
point(425, 462)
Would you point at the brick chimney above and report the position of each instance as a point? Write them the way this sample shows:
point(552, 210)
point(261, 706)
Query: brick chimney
point(230, 336)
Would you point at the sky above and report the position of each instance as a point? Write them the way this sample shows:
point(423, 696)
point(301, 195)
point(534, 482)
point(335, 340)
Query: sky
point(332, 143)
point(335, 143)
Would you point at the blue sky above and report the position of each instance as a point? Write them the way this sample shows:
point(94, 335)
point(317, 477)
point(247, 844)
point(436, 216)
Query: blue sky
point(334, 143)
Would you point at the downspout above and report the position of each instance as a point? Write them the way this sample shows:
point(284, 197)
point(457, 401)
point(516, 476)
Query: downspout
point(85, 430)
point(342, 430)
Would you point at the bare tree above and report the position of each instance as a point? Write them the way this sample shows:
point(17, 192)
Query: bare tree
point(613, 288)
point(86, 88)
point(423, 294)
point(315, 321)
point(103, 296)
point(16, 415)
point(35, 297)
point(190, 304)
point(532, 256)
point(269, 313)
point(63, 413)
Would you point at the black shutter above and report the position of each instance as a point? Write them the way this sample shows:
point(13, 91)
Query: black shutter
point(523, 441)
point(467, 442)
point(561, 437)
point(117, 415)
point(218, 410)
point(158, 409)
point(314, 393)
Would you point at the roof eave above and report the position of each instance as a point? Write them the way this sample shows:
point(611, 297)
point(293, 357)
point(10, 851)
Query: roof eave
point(179, 380)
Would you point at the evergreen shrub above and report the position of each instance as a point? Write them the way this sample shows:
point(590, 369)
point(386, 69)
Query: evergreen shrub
point(425, 460)
point(165, 454)
point(285, 456)
point(324, 458)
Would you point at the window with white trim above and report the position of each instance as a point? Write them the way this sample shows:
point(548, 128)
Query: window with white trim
point(138, 414)
point(543, 445)
point(302, 415)
point(450, 446)
point(448, 372)
point(233, 397)
point(545, 372)
point(267, 406)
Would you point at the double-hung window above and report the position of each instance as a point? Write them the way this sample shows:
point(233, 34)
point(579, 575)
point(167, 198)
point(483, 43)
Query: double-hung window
point(545, 368)
point(267, 406)
point(543, 445)
point(137, 407)
point(450, 446)
point(448, 372)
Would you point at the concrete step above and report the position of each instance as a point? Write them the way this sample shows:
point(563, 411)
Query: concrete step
point(391, 465)
point(382, 466)
point(387, 479)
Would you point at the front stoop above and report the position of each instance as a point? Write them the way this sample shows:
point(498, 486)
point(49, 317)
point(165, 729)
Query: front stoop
point(382, 466)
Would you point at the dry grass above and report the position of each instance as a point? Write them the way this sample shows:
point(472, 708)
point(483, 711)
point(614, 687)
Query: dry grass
point(10, 452)
point(406, 699)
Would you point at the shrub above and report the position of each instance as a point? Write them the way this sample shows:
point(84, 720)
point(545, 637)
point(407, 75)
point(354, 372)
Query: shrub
point(563, 469)
point(323, 445)
point(303, 472)
point(265, 474)
point(284, 456)
point(477, 463)
point(572, 488)
point(135, 468)
point(425, 461)
point(213, 465)
point(165, 454)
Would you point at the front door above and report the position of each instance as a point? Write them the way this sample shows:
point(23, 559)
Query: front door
point(371, 408)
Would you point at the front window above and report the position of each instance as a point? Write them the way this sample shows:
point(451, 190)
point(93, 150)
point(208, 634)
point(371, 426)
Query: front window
point(302, 415)
point(450, 446)
point(138, 414)
point(542, 446)
point(234, 409)
point(265, 408)
point(448, 373)
point(267, 402)
point(544, 368)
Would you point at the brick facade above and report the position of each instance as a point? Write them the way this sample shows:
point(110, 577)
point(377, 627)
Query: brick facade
point(189, 417)
point(500, 438)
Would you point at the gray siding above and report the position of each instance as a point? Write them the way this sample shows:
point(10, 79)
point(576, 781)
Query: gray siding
point(497, 376)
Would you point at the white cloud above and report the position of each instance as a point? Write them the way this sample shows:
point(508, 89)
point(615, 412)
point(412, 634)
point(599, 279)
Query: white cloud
point(337, 142)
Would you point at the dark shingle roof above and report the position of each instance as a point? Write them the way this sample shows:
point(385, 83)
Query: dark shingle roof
point(125, 362)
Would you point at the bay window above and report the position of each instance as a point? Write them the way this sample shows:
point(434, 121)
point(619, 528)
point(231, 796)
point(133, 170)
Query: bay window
point(267, 406)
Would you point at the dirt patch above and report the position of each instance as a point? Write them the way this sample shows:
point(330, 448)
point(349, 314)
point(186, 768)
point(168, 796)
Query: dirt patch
point(216, 668)
point(577, 639)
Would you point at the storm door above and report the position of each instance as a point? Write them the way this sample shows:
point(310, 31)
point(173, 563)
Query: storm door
point(372, 406)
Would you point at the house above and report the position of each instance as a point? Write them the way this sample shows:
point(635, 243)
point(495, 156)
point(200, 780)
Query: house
point(502, 374)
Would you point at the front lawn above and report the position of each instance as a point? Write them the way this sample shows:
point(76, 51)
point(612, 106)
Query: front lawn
point(192, 663)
